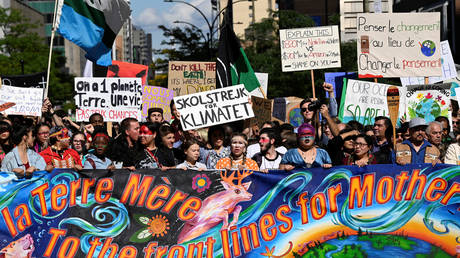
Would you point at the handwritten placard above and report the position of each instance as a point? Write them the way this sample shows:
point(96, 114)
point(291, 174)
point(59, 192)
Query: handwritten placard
point(159, 97)
point(191, 77)
point(214, 107)
point(398, 44)
point(364, 101)
point(448, 69)
point(120, 96)
point(28, 101)
point(428, 101)
point(263, 108)
point(310, 48)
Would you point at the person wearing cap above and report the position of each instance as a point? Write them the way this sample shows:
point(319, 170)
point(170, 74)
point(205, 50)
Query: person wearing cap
point(155, 114)
point(416, 149)
point(307, 155)
point(59, 154)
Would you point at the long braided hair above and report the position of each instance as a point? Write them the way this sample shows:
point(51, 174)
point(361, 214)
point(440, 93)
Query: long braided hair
point(245, 138)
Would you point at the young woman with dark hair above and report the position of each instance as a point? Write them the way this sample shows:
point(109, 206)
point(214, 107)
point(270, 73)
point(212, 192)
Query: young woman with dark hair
point(362, 155)
point(149, 157)
point(216, 138)
point(168, 156)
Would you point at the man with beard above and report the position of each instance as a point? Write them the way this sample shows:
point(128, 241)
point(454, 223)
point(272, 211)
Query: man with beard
point(416, 149)
point(268, 158)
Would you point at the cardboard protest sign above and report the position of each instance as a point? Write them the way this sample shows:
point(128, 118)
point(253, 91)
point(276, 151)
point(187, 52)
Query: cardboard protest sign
point(28, 101)
point(35, 80)
point(428, 101)
point(398, 44)
point(310, 48)
point(279, 109)
point(364, 101)
point(114, 98)
point(262, 109)
point(448, 69)
point(191, 77)
point(160, 97)
point(293, 114)
point(263, 80)
point(128, 70)
point(349, 211)
point(214, 107)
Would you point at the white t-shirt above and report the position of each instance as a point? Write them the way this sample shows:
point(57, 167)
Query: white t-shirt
point(255, 148)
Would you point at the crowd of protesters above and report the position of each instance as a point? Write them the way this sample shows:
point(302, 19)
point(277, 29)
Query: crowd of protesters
point(55, 141)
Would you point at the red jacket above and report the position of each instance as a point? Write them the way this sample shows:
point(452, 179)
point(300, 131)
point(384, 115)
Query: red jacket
point(68, 159)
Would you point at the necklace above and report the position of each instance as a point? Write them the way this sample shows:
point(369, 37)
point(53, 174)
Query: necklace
point(309, 155)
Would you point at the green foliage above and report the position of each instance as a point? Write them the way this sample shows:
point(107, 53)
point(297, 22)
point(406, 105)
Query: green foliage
point(21, 43)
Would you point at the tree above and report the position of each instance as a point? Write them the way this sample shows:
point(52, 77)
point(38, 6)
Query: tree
point(21, 43)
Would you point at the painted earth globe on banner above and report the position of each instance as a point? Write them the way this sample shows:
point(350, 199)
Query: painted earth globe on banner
point(428, 109)
point(295, 117)
point(428, 48)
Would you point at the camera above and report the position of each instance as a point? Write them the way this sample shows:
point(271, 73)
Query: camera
point(315, 105)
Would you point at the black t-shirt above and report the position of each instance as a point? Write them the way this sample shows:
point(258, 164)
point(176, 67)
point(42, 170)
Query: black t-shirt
point(170, 157)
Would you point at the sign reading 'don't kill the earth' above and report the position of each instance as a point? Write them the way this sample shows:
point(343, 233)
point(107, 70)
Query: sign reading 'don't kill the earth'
point(310, 48)
point(114, 98)
point(214, 107)
point(398, 45)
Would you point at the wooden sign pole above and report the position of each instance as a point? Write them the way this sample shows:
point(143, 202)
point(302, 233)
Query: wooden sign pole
point(313, 83)
point(393, 108)
point(427, 80)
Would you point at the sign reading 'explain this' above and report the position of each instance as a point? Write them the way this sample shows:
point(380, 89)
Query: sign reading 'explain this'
point(310, 48)
point(214, 107)
point(398, 44)
point(28, 101)
point(191, 77)
point(114, 98)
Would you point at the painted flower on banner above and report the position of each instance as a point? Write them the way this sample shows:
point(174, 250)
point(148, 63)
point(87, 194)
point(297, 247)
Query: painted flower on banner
point(428, 96)
point(420, 95)
point(156, 226)
point(439, 98)
point(201, 182)
point(428, 106)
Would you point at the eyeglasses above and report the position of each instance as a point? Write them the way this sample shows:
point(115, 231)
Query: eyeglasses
point(303, 109)
point(358, 144)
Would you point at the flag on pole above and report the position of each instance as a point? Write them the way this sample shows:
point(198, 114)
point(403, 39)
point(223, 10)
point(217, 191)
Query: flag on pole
point(92, 25)
point(233, 66)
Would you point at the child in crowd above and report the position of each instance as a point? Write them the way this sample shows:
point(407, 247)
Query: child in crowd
point(98, 159)
point(192, 154)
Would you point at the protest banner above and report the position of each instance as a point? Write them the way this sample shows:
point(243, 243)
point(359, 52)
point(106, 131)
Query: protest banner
point(364, 101)
point(214, 107)
point(336, 79)
point(310, 48)
point(448, 69)
point(128, 70)
point(114, 98)
point(263, 80)
point(428, 101)
point(379, 210)
point(160, 97)
point(279, 109)
point(398, 44)
point(28, 101)
point(191, 77)
point(36, 80)
point(263, 108)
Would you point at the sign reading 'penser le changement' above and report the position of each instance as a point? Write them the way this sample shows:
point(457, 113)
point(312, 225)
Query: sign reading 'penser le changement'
point(310, 48)
point(214, 107)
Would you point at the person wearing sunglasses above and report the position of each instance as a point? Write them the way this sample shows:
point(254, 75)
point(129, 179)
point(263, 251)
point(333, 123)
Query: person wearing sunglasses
point(307, 155)
point(362, 155)
point(417, 149)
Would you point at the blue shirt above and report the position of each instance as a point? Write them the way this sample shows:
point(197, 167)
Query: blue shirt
point(12, 160)
point(294, 158)
point(99, 163)
point(416, 157)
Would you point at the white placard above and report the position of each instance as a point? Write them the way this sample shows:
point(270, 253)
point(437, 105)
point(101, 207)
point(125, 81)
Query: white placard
point(214, 107)
point(398, 44)
point(310, 48)
point(28, 101)
point(448, 69)
point(117, 94)
point(263, 80)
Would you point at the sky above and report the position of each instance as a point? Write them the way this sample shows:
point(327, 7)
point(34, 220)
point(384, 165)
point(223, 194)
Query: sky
point(148, 14)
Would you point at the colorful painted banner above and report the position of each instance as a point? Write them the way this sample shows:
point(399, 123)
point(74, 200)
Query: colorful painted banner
point(128, 70)
point(186, 77)
point(310, 48)
point(114, 98)
point(398, 44)
point(28, 101)
point(378, 211)
point(214, 107)
point(428, 101)
point(160, 97)
point(448, 69)
point(364, 101)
